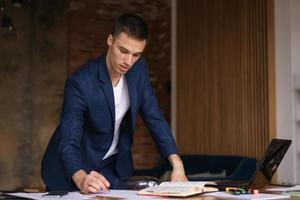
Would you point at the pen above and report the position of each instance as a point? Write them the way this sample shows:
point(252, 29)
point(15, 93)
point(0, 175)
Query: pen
point(232, 190)
point(235, 191)
point(227, 189)
point(252, 191)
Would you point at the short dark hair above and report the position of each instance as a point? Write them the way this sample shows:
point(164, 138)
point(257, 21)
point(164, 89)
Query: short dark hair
point(133, 25)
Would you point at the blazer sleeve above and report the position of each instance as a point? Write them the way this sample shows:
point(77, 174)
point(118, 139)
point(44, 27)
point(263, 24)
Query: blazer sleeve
point(155, 121)
point(71, 127)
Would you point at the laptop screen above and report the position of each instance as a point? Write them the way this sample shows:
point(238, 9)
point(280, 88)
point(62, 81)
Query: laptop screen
point(269, 163)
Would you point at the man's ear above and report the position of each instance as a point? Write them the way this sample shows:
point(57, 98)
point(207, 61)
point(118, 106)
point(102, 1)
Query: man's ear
point(110, 40)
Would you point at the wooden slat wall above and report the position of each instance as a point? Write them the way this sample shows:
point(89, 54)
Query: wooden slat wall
point(223, 72)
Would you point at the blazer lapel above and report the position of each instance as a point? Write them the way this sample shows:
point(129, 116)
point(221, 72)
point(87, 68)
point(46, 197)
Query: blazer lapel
point(106, 87)
point(132, 96)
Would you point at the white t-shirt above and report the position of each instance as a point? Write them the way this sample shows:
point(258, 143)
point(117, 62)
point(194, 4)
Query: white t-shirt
point(122, 103)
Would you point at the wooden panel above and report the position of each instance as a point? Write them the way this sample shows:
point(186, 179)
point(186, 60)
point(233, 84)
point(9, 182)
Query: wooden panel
point(223, 77)
point(271, 67)
point(32, 70)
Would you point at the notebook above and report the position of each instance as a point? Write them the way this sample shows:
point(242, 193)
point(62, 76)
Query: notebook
point(265, 169)
point(178, 189)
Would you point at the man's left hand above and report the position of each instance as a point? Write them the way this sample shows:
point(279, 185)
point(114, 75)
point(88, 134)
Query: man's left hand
point(178, 173)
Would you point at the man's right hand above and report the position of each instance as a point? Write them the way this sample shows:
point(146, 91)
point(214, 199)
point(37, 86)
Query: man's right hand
point(90, 183)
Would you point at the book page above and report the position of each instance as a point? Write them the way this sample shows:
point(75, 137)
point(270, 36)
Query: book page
point(186, 183)
point(179, 189)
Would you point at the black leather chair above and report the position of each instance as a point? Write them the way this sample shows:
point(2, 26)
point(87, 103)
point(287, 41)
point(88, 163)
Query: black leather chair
point(206, 167)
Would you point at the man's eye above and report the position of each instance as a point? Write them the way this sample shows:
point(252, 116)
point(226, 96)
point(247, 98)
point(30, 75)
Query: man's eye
point(123, 50)
point(136, 55)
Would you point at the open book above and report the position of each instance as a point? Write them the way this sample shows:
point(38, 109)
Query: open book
point(178, 189)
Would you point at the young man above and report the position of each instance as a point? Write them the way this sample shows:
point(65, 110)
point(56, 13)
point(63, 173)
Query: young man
point(91, 148)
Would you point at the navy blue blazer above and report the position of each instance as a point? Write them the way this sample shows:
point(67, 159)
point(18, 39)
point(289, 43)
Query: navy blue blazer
point(86, 127)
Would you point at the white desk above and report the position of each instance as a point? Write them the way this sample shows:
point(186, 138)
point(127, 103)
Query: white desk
point(132, 195)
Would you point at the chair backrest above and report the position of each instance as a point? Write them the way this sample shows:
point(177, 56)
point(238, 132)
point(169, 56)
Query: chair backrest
point(206, 167)
point(214, 167)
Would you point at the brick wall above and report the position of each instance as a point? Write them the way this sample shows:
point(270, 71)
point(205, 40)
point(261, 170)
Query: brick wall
point(89, 25)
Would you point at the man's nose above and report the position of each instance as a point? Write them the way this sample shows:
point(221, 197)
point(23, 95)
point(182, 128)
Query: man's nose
point(128, 59)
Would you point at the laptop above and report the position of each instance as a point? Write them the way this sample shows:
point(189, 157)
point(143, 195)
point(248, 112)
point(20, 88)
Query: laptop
point(265, 169)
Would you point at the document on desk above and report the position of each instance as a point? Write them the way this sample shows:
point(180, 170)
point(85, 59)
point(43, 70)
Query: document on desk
point(39, 196)
point(124, 194)
point(260, 196)
point(285, 189)
point(110, 195)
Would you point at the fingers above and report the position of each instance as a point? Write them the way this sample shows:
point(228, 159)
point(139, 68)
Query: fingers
point(101, 178)
point(94, 182)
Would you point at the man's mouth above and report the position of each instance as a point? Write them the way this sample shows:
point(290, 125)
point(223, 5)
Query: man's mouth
point(123, 68)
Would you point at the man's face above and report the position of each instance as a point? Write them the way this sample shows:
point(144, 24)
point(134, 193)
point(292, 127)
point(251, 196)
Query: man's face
point(123, 52)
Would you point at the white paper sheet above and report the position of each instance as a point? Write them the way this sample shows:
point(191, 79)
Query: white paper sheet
point(126, 194)
point(38, 196)
point(285, 189)
point(260, 196)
